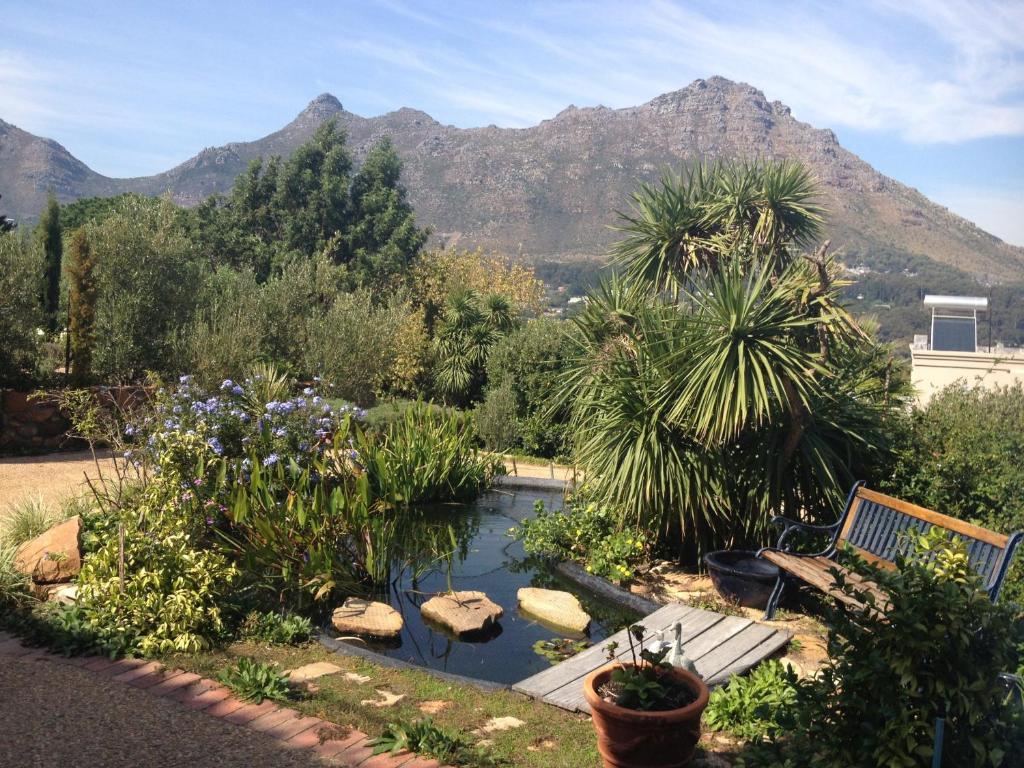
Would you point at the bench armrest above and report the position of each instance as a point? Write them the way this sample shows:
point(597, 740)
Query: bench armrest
point(793, 526)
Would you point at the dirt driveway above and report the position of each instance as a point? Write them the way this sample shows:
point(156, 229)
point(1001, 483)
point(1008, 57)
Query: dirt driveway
point(53, 477)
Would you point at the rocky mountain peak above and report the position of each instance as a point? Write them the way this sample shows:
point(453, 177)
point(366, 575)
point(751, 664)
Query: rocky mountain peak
point(322, 107)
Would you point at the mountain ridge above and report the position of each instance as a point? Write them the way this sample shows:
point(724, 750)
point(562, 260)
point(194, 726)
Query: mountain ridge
point(551, 190)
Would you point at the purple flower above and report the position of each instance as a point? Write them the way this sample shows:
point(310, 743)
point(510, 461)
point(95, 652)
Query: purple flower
point(308, 392)
point(209, 521)
point(216, 446)
point(236, 390)
point(129, 430)
point(271, 460)
point(227, 384)
point(184, 379)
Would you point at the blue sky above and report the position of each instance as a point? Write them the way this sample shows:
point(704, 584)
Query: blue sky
point(930, 92)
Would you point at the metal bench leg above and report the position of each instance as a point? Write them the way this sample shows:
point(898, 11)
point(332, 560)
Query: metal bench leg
point(773, 599)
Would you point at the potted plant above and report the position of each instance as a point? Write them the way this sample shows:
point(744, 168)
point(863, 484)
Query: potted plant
point(646, 712)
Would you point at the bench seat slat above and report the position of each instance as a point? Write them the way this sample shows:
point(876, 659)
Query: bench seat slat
point(816, 572)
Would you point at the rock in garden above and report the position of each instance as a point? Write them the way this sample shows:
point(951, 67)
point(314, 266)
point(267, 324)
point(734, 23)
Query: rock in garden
point(66, 594)
point(367, 618)
point(555, 607)
point(462, 612)
point(54, 556)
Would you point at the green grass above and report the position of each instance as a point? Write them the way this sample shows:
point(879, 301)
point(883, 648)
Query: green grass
point(550, 738)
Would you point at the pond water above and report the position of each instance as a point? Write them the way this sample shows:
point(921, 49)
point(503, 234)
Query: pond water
point(489, 560)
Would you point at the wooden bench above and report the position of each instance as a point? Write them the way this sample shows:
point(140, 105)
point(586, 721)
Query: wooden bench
point(872, 526)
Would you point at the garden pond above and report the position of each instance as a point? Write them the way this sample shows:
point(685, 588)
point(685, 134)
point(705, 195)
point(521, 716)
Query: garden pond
point(488, 559)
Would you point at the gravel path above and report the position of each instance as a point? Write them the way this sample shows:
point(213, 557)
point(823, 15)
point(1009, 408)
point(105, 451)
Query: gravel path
point(53, 714)
point(54, 477)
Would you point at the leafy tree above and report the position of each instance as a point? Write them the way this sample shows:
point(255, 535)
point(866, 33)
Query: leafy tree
point(148, 284)
point(382, 239)
point(468, 327)
point(529, 363)
point(95, 210)
point(21, 311)
point(720, 380)
point(48, 233)
point(82, 279)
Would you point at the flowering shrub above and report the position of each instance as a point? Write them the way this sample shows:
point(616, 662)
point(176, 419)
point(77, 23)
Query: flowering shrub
point(236, 425)
point(587, 533)
point(162, 590)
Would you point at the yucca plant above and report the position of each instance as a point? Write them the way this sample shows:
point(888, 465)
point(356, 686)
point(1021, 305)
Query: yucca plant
point(719, 380)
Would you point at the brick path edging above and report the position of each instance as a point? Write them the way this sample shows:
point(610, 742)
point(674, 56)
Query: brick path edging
point(289, 727)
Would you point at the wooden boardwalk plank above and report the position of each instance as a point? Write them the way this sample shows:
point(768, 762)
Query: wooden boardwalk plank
point(732, 649)
point(586, 661)
point(720, 646)
point(570, 695)
point(751, 657)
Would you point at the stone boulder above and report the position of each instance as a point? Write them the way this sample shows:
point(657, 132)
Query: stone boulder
point(367, 619)
point(555, 607)
point(462, 612)
point(52, 557)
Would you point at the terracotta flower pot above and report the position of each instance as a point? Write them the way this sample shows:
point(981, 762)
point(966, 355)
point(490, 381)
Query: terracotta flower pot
point(630, 738)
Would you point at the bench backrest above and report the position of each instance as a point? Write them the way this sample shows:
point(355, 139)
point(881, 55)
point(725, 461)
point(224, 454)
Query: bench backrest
point(873, 524)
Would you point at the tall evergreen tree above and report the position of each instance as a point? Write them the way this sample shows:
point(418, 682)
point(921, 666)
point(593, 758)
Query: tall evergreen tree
point(81, 270)
point(49, 236)
point(382, 239)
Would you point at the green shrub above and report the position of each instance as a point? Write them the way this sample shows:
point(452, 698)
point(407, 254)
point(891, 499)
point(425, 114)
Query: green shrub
point(530, 363)
point(496, 418)
point(14, 585)
point(21, 312)
point(276, 628)
point(750, 705)
point(588, 533)
point(255, 681)
point(937, 652)
point(164, 593)
point(963, 455)
point(351, 346)
point(424, 456)
point(146, 282)
point(423, 737)
point(26, 520)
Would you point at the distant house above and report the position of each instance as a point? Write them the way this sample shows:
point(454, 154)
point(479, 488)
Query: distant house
point(951, 353)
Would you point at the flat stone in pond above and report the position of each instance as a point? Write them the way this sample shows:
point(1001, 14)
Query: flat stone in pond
point(555, 607)
point(462, 612)
point(367, 618)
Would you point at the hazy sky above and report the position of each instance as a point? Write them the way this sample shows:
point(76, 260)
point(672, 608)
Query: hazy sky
point(930, 92)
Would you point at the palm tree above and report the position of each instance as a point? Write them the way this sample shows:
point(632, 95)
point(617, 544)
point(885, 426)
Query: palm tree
point(468, 327)
point(719, 380)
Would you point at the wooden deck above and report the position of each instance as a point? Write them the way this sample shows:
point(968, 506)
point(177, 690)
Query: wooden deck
point(721, 646)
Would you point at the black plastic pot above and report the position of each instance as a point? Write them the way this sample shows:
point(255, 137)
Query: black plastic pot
point(740, 577)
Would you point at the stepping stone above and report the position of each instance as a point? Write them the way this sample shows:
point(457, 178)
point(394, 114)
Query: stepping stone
point(355, 677)
point(433, 707)
point(462, 612)
point(311, 672)
point(387, 699)
point(555, 607)
point(496, 724)
point(367, 618)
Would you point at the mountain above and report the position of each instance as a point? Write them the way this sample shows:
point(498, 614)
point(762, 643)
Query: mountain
point(551, 190)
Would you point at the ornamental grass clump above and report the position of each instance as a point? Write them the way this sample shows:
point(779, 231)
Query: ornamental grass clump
point(937, 653)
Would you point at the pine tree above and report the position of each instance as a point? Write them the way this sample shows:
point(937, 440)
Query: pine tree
point(381, 240)
point(49, 236)
point(81, 272)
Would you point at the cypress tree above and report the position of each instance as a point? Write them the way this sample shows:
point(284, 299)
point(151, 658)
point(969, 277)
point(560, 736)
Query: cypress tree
point(48, 232)
point(82, 283)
